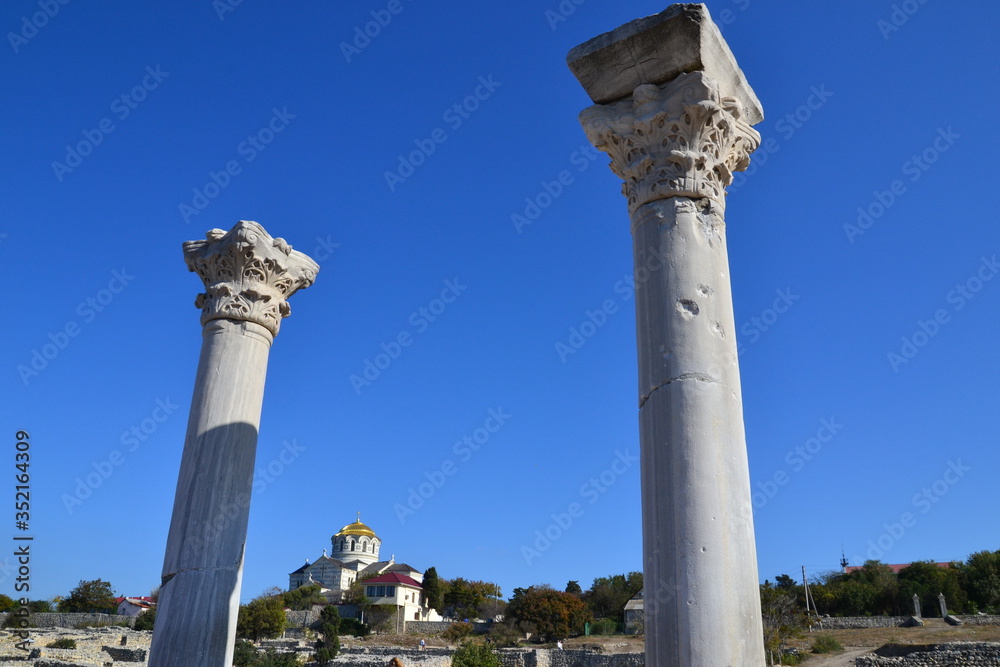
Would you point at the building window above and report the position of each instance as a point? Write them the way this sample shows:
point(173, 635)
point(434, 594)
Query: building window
point(390, 591)
point(352, 545)
point(370, 592)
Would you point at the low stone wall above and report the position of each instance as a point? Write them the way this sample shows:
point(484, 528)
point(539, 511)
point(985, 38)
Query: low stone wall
point(125, 654)
point(381, 655)
point(554, 658)
point(434, 627)
point(516, 657)
point(864, 622)
point(72, 620)
point(979, 619)
point(933, 655)
point(299, 619)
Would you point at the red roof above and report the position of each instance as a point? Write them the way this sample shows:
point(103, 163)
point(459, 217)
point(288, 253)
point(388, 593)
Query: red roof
point(895, 568)
point(393, 578)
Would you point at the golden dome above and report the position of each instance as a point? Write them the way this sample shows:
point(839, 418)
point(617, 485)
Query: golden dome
point(356, 528)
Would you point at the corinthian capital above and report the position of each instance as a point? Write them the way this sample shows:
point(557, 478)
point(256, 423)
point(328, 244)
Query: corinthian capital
point(679, 139)
point(248, 275)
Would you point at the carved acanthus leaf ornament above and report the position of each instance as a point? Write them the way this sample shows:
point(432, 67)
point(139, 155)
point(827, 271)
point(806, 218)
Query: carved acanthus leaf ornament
point(248, 275)
point(681, 139)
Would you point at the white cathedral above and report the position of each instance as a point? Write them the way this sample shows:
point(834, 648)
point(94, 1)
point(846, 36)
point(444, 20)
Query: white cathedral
point(355, 556)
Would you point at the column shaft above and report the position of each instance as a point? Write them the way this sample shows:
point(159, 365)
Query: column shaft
point(698, 541)
point(203, 565)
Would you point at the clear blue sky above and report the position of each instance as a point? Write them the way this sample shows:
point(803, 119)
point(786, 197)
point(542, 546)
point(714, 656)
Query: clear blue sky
point(308, 131)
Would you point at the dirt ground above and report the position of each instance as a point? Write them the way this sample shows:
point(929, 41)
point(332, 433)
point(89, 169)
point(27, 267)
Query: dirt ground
point(855, 642)
point(859, 642)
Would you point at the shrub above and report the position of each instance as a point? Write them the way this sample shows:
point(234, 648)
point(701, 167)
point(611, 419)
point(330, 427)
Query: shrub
point(475, 655)
point(353, 627)
point(274, 659)
point(457, 632)
point(244, 653)
point(145, 620)
point(505, 635)
point(65, 642)
point(826, 644)
point(14, 621)
point(605, 626)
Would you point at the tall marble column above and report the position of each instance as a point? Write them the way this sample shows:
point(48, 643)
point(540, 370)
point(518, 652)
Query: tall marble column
point(674, 113)
point(248, 278)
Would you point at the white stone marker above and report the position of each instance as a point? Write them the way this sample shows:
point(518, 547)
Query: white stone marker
point(674, 113)
point(916, 606)
point(248, 276)
point(944, 605)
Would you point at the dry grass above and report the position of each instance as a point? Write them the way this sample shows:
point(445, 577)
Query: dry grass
point(935, 631)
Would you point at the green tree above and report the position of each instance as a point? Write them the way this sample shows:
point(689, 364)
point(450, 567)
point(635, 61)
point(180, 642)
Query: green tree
point(328, 643)
point(608, 595)
point(781, 615)
point(471, 599)
point(244, 654)
point(552, 614)
point(263, 617)
point(475, 655)
point(40, 606)
point(94, 595)
point(433, 590)
point(145, 620)
point(303, 597)
point(785, 583)
point(7, 603)
point(573, 588)
point(926, 580)
point(980, 575)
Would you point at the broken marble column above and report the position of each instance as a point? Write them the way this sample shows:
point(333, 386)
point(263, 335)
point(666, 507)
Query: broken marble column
point(944, 605)
point(248, 278)
point(674, 113)
point(916, 606)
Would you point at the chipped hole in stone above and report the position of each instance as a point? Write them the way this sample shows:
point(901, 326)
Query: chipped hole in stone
point(687, 308)
point(705, 290)
point(704, 550)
